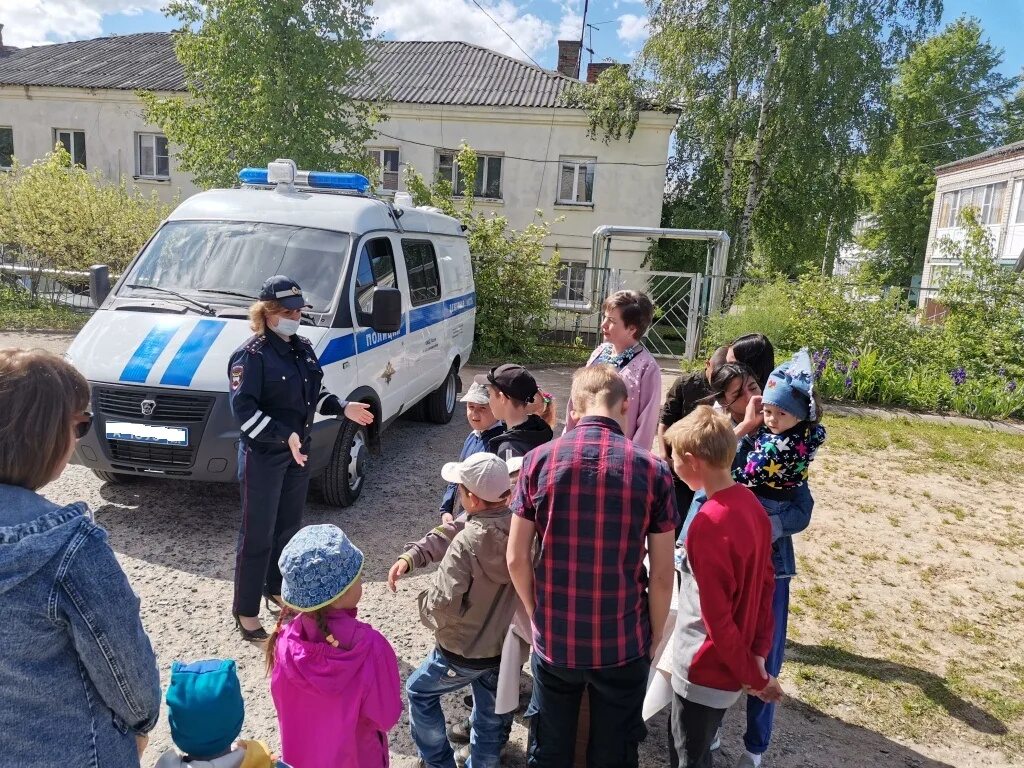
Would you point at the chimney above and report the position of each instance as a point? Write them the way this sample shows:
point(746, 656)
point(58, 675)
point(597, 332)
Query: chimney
point(594, 69)
point(569, 57)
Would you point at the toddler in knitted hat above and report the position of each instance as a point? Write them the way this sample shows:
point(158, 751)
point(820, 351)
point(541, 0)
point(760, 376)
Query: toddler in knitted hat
point(205, 711)
point(787, 443)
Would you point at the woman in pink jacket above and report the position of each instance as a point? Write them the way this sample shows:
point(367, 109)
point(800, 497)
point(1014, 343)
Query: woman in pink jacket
point(627, 316)
point(334, 679)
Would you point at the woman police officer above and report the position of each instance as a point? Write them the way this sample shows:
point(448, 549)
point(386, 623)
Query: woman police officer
point(275, 390)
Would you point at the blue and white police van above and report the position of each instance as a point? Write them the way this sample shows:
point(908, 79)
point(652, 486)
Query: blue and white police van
point(392, 319)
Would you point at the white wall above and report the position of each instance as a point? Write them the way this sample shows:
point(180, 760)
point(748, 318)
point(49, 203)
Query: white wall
point(630, 193)
point(110, 120)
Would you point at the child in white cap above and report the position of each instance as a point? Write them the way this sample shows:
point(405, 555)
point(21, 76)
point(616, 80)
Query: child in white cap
point(484, 426)
point(469, 605)
point(334, 679)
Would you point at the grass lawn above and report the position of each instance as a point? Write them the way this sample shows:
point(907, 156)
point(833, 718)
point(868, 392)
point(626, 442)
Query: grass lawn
point(907, 616)
point(20, 312)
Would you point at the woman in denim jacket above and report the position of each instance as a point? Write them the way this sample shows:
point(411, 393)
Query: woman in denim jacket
point(738, 392)
point(78, 678)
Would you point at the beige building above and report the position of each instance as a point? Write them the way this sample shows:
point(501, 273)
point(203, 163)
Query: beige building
point(993, 183)
point(534, 150)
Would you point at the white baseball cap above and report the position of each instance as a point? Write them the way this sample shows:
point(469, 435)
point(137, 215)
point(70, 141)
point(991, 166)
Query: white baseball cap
point(483, 474)
point(514, 464)
point(477, 393)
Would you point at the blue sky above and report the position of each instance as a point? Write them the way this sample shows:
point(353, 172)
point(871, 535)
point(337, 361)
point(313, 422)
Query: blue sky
point(536, 25)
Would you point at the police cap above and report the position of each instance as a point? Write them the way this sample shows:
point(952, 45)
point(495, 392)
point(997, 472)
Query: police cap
point(283, 289)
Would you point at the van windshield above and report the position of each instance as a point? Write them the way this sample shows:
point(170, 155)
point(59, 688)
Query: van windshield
point(211, 260)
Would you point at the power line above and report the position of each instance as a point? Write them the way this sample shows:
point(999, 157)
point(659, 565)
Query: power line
point(517, 45)
point(949, 141)
point(528, 159)
point(1009, 82)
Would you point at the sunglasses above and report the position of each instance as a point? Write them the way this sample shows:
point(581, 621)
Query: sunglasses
point(83, 424)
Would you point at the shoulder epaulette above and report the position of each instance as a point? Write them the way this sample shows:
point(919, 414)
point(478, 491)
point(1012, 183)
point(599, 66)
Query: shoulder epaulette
point(304, 340)
point(256, 343)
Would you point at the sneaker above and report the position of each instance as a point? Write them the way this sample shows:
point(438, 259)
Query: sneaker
point(462, 755)
point(749, 760)
point(459, 733)
point(717, 743)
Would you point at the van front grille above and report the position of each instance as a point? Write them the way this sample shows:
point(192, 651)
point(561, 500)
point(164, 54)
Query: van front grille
point(170, 408)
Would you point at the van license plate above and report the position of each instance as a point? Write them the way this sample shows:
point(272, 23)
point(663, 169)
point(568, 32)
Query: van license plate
point(147, 433)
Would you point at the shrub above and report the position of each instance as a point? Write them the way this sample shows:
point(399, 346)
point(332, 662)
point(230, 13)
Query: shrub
point(514, 284)
point(64, 217)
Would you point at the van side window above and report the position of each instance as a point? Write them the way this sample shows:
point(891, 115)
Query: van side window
point(421, 267)
point(376, 268)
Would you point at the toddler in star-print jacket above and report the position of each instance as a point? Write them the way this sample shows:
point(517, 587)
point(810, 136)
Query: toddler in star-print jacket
point(786, 445)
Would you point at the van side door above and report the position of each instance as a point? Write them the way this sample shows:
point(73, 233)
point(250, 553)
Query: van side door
point(426, 327)
point(382, 358)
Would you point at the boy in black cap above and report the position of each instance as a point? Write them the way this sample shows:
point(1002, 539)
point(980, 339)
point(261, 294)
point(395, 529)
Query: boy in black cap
point(512, 390)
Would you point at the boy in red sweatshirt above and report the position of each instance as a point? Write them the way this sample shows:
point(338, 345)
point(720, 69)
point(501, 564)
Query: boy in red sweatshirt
point(724, 624)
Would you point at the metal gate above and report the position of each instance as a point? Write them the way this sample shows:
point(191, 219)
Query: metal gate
point(575, 319)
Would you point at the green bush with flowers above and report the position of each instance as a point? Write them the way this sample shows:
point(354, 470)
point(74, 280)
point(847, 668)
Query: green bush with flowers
point(871, 346)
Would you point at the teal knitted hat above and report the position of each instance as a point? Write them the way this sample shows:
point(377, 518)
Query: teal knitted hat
point(204, 707)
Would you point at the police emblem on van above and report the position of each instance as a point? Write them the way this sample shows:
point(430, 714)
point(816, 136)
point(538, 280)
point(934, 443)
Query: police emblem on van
point(148, 406)
point(389, 371)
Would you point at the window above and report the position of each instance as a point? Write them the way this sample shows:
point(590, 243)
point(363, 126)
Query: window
point(151, 158)
point(6, 147)
point(1017, 187)
point(488, 174)
point(421, 267)
point(387, 163)
point(571, 278)
point(986, 199)
point(74, 143)
point(576, 181)
point(376, 267)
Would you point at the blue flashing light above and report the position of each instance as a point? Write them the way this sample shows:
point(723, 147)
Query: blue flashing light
point(353, 182)
point(253, 175)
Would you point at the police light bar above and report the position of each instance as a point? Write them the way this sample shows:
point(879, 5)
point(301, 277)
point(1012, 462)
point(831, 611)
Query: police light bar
point(282, 172)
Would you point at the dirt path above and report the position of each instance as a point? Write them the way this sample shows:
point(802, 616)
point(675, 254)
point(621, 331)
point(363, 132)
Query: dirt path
point(176, 542)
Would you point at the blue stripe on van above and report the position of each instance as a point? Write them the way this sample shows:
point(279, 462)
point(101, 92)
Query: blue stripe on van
point(190, 354)
point(344, 347)
point(145, 356)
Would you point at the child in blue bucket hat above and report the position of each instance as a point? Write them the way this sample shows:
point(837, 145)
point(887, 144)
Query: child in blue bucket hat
point(334, 679)
point(787, 443)
point(205, 711)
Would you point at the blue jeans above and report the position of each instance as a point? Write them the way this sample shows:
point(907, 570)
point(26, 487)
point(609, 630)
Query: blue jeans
point(760, 715)
point(437, 676)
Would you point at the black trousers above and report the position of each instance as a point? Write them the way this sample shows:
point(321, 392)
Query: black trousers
point(273, 491)
point(692, 733)
point(616, 714)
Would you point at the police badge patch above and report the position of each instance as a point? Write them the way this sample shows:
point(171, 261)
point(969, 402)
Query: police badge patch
point(236, 377)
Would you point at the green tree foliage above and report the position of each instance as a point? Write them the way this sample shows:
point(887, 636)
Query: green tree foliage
point(62, 217)
point(514, 285)
point(266, 80)
point(776, 100)
point(945, 103)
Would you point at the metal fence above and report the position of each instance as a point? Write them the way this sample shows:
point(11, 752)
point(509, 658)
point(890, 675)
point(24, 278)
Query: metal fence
point(28, 278)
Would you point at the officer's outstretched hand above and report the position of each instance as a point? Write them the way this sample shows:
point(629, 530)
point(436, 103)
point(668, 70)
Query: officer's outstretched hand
point(295, 443)
point(360, 413)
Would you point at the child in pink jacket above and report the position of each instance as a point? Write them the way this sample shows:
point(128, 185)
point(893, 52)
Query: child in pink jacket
point(334, 679)
point(627, 316)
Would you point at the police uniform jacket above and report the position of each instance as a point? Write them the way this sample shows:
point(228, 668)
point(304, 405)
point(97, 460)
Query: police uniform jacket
point(276, 388)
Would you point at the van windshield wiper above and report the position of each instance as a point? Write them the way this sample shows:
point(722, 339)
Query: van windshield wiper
point(205, 307)
point(228, 293)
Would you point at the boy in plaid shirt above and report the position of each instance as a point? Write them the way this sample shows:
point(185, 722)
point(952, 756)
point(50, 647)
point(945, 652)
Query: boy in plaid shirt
point(598, 503)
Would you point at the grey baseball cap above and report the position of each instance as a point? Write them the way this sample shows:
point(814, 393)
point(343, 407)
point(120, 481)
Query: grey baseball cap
point(477, 393)
point(483, 474)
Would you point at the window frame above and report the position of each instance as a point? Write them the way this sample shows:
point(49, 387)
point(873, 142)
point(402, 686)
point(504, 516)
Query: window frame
point(139, 171)
point(563, 295)
point(483, 161)
point(578, 163)
point(71, 150)
point(989, 214)
point(378, 156)
point(409, 272)
point(10, 163)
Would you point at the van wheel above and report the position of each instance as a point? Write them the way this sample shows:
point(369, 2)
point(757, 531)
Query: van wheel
point(342, 480)
point(114, 478)
point(440, 404)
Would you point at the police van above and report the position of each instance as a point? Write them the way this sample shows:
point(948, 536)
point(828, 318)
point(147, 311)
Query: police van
point(392, 320)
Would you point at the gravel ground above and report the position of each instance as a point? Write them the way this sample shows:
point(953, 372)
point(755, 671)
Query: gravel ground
point(176, 542)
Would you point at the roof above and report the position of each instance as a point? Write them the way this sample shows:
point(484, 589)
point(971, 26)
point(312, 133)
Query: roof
point(320, 210)
point(412, 72)
point(987, 157)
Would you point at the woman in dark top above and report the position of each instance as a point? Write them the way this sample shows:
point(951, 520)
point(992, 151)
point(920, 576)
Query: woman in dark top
point(756, 352)
point(687, 392)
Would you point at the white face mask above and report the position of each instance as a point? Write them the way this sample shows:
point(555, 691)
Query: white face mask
point(287, 327)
